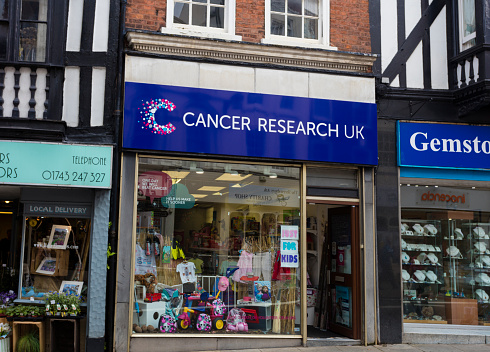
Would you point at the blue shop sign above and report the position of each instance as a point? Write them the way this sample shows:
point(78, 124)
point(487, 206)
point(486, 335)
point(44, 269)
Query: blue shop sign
point(195, 120)
point(431, 145)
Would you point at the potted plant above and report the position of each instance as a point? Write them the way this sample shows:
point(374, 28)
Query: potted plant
point(7, 298)
point(4, 337)
point(28, 343)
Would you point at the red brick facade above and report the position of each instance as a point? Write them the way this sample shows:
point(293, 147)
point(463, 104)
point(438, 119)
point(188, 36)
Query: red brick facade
point(349, 21)
point(349, 25)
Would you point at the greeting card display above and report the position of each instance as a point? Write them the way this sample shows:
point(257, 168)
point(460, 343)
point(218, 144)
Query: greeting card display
point(262, 291)
point(59, 236)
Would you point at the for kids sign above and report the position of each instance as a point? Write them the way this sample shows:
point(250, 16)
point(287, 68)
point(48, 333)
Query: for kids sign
point(289, 254)
point(289, 246)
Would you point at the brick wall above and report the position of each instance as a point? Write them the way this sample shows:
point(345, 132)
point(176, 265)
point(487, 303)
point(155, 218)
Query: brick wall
point(148, 15)
point(349, 21)
point(349, 25)
point(250, 22)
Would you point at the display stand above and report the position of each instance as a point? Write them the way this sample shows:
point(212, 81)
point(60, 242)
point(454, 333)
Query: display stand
point(16, 336)
point(76, 332)
point(461, 311)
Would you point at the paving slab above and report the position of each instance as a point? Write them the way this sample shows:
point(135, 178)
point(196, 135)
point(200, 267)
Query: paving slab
point(437, 348)
point(471, 348)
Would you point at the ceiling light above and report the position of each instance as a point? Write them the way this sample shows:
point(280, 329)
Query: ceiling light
point(267, 172)
point(232, 178)
point(436, 186)
point(473, 187)
point(199, 195)
point(408, 184)
point(8, 201)
point(177, 174)
point(228, 170)
point(210, 189)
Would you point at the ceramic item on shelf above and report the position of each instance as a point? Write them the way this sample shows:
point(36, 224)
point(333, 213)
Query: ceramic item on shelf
point(437, 249)
point(485, 259)
point(480, 247)
point(430, 229)
point(458, 234)
point(482, 278)
point(432, 258)
point(419, 230)
point(404, 228)
point(416, 262)
point(478, 232)
point(478, 264)
point(437, 317)
point(405, 275)
point(404, 244)
point(430, 248)
point(431, 276)
point(421, 257)
point(482, 295)
point(419, 275)
point(454, 252)
point(405, 258)
point(408, 233)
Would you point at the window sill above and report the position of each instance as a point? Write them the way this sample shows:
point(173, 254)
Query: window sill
point(202, 34)
point(298, 43)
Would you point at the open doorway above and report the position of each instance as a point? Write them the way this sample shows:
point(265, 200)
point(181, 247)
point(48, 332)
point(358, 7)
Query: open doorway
point(333, 291)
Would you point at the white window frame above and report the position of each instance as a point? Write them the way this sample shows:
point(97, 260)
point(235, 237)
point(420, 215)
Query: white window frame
point(227, 33)
point(323, 41)
point(464, 42)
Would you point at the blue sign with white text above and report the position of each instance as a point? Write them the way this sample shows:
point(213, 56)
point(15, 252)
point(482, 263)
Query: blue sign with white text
point(197, 120)
point(443, 146)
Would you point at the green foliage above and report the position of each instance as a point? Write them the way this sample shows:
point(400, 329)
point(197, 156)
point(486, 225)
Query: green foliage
point(28, 343)
point(110, 253)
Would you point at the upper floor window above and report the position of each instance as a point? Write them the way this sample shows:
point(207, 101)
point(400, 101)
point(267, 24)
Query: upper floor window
point(297, 22)
point(467, 24)
point(205, 18)
point(23, 30)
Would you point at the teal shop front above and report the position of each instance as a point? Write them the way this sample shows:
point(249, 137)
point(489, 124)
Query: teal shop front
point(54, 215)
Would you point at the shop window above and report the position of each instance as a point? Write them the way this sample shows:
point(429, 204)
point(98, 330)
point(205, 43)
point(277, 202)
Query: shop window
point(205, 18)
point(24, 30)
point(467, 24)
point(297, 22)
point(209, 254)
point(55, 257)
point(445, 255)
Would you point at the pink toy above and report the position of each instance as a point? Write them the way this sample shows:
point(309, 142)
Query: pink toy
point(236, 320)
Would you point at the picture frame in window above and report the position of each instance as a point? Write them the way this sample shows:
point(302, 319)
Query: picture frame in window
point(71, 287)
point(59, 237)
point(47, 266)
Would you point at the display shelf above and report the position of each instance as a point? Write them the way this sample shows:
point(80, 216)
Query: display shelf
point(430, 265)
point(425, 321)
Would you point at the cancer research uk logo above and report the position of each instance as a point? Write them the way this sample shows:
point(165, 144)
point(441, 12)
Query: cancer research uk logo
point(147, 116)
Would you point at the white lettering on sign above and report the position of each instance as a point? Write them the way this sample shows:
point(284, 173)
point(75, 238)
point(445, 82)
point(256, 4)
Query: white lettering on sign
point(271, 125)
point(421, 142)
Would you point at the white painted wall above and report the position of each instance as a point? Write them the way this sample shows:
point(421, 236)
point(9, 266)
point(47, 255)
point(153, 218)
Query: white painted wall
point(389, 31)
point(74, 26)
point(98, 93)
point(71, 96)
point(252, 80)
point(101, 25)
point(414, 66)
point(438, 52)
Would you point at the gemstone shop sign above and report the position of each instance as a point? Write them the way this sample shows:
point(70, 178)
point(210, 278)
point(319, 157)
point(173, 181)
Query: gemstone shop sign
point(53, 164)
point(196, 120)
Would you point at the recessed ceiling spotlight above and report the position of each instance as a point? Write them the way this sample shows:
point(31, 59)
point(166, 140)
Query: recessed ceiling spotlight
point(408, 184)
point(436, 186)
point(473, 187)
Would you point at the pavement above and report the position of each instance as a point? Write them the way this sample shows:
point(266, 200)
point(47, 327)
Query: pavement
point(376, 348)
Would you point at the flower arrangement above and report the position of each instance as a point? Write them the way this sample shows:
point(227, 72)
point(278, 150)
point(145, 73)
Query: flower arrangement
point(4, 330)
point(6, 298)
point(24, 311)
point(63, 304)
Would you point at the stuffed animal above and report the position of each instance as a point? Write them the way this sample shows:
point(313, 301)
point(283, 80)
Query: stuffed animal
point(149, 280)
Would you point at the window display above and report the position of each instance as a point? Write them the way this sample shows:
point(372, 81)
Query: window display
point(445, 263)
point(55, 256)
point(217, 248)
